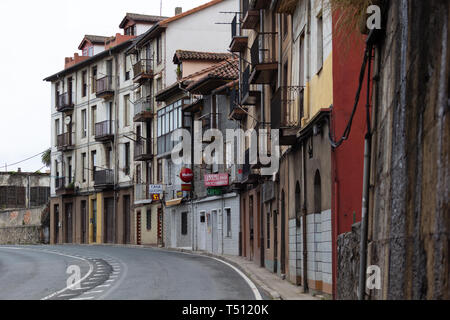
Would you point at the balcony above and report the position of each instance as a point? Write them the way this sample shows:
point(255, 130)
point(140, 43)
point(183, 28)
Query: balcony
point(143, 150)
point(143, 110)
point(104, 87)
point(65, 142)
point(287, 111)
point(104, 179)
point(251, 17)
point(264, 139)
point(64, 186)
point(143, 70)
point(238, 42)
point(64, 102)
point(260, 4)
point(249, 97)
point(237, 112)
point(141, 195)
point(104, 131)
point(264, 61)
point(248, 177)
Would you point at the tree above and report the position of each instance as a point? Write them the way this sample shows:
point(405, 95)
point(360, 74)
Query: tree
point(46, 157)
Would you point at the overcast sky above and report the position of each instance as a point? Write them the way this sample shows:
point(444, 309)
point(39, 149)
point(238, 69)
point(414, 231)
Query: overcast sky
point(36, 37)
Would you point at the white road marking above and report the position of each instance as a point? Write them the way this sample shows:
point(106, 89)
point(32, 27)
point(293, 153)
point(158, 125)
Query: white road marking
point(104, 286)
point(86, 298)
point(90, 292)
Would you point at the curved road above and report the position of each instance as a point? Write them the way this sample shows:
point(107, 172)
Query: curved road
point(108, 272)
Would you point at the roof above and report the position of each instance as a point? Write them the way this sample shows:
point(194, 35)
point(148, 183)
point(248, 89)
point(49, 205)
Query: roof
point(182, 55)
point(140, 18)
point(184, 14)
point(224, 71)
point(94, 39)
point(87, 62)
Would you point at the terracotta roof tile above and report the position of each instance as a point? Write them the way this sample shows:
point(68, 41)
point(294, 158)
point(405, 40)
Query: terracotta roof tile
point(199, 8)
point(181, 55)
point(141, 18)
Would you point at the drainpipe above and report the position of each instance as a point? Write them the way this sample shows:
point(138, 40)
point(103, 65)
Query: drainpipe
point(116, 143)
point(261, 204)
point(366, 184)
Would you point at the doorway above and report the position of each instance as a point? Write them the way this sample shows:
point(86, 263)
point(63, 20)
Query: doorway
point(69, 223)
point(126, 216)
point(83, 221)
point(283, 235)
point(215, 233)
point(173, 230)
point(202, 232)
point(109, 221)
point(275, 241)
point(138, 228)
point(56, 225)
point(94, 221)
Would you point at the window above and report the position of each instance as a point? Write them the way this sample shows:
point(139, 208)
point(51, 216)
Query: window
point(84, 84)
point(83, 163)
point(69, 170)
point(159, 173)
point(170, 119)
point(149, 219)
point(94, 118)
point(94, 79)
point(84, 123)
point(319, 42)
point(184, 223)
point(159, 49)
point(158, 85)
point(126, 110)
point(127, 159)
point(228, 217)
point(94, 162)
point(202, 217)
point(57, 131)
point(138, 174)
point(130, 31)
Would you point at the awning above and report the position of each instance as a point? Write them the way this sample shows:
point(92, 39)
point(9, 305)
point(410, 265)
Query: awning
point(173, 202)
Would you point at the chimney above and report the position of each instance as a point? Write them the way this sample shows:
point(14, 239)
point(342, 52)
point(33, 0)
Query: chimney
point(178, 10)
point(19, 170)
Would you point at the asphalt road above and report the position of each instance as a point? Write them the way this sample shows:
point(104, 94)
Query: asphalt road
point(110, 273)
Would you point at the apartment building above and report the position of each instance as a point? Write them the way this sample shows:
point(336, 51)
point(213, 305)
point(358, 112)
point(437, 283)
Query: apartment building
point(295, 77)
point(92, 140)
point(155, 75)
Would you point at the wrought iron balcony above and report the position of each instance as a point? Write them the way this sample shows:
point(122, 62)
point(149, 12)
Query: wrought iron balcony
point(104, 178)
point(143, 110)
point(143, 150)
point(143, 70)
point(249, 96)
point(104, 131)
point(251, 16)
point(141, 195)
point(65, 141)
point(104, 87)
point(238, 41)
point(64, 102)
point(64, 185)
point(287, 112)
point(264, 59)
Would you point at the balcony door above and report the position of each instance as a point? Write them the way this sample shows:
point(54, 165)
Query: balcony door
point(69, 90)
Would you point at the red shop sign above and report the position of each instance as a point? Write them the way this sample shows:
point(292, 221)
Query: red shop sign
point(217, 180)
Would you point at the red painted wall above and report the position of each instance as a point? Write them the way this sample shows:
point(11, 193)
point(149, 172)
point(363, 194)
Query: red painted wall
point(348, 159)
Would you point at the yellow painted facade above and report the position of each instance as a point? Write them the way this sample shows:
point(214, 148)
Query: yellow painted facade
point(319, 91)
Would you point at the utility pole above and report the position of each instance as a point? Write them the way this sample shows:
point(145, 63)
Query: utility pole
point(160, 8)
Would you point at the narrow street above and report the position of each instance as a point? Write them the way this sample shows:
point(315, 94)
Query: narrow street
point(39, 273)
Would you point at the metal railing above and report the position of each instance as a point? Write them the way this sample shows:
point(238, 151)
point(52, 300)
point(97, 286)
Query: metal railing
point(143, 147)
point(143, 105)
point(105, 128)
point(62, 183)
point(263, 49)
point(235, 27)
point(143, 67)
point(287, 107)
point(65, 140)
point(64, 101)
point(104, 84)
point(234, 102)
point(141, 192)
point(103, 177)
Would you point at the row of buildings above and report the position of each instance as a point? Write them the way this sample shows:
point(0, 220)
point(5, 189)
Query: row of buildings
point(271, 66)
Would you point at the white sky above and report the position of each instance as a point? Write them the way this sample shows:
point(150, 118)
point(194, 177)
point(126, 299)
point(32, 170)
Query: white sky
point(36, 37)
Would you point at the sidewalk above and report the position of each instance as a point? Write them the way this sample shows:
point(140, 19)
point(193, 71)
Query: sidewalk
point(273, 285)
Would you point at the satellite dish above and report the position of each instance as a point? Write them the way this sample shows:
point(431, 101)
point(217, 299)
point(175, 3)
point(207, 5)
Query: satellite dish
point(68, 120)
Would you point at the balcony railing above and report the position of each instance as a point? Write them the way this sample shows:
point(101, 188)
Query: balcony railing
point(143, 109)
point(210, 121)
point(245, 86)
point(64, 141)
point(104, 86)
point(238, 42)
point(143, 69)
point(103, 177)
point(63, 184)
point(263, 49)
point(141, 193)
point(143, 150)
point(234, 27)
point(64, 102)
point(104, 130)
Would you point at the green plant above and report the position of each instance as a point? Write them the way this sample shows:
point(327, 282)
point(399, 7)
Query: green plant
point(46, 157)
